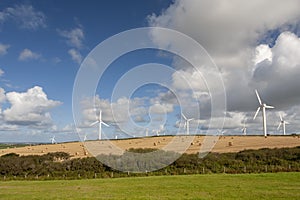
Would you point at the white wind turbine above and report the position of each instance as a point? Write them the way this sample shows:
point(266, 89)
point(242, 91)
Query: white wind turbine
point(147, 132)
point(85, 137)
point(263, 107)
point(53, 141)
point(100, 122)
point(156, 131)
point(244, 129)
point(187, 123)
point(283, 123)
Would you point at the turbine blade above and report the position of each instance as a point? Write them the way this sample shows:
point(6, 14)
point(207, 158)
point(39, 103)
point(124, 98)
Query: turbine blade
point(191, 119)
point(280, 117)
point(267, 106)
point(92, 124)
point(279, 126)
point(105, 124)
point(257, 111)
point(286, 122)
point(259, 100)
point(183, 116)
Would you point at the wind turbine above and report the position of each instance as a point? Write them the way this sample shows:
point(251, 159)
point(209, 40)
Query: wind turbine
point(187, 123)
point(85, 137)
point(221, 132)
point(100, 122)
point(283, 123)
point(53, 141)
point(156, 131)
point(263, 107)
point(147, 132)
point(244, 129)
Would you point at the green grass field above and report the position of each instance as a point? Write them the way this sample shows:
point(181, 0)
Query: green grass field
point(214, 186)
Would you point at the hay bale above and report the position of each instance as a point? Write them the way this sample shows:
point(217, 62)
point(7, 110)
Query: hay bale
point(230, 144)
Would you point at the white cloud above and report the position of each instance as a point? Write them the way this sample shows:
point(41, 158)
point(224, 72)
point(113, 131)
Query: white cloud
point(27, 54)
point(74, 37)
point(2, 98)
point(2, 95)
point(8, 127)
point(3, 49)
point(159, 108)
point(262, 53)
point(75, 55)
point(223, 27)
point(279, 78)
point(25, 16)
point(113, 112)
point(30, 108)
point(231, 32)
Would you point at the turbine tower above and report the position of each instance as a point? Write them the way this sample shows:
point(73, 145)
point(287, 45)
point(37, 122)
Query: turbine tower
point(147, 132)
point(263, 107)
point(100, 122)
point(283, 123)
point(187, 123)
point(53, 141)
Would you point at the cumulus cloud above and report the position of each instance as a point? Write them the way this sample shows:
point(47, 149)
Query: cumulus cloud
point(2, 95)
point(25, 16)
point(2, 98)
point(262, 53)
point(8, 127)
point(224, 27)
point(3, 49)
point(235, 37)
point(74, 37)
point(30, 108)
point(75, 55)
point(120, 111)
point(279, 79)
point(125, 115)
point(27, 54)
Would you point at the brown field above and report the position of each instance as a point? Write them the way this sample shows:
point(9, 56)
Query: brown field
point(222, 144)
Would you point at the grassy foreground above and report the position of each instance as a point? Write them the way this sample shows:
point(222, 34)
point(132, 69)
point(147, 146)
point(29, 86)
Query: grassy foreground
point(213, 186)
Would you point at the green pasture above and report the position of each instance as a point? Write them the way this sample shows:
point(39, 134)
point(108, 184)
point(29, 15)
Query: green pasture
point(209, 186)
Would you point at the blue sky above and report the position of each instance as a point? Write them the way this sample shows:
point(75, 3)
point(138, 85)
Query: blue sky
point(53, 68)
point(42, 44)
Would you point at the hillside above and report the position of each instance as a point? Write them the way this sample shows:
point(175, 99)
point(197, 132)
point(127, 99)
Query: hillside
point(222, 145)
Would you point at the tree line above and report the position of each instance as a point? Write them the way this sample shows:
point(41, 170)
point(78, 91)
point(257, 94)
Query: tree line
point(60, 165)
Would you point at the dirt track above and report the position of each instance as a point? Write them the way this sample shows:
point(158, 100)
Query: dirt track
point(179, 144)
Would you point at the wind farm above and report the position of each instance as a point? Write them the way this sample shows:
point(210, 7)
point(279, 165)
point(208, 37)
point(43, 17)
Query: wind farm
point(155, 99)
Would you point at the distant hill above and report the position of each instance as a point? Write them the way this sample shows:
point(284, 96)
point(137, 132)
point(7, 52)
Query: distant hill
point(223, 144)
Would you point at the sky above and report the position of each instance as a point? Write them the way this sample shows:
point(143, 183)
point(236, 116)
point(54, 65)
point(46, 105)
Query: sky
point(43, 45)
